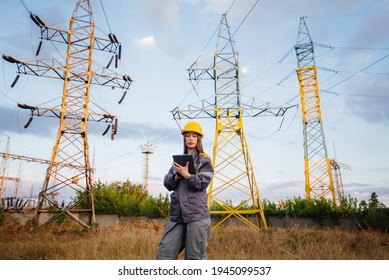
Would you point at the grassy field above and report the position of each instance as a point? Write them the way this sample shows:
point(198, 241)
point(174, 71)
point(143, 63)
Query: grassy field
point(139, 240)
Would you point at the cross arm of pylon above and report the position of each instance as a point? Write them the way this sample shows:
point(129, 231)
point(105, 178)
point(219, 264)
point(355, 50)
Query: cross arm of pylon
point(113, 80)
point(36, 111)
point(53, 68)
point(253, 107)
point(55, 112)
point(204, 109)
point(7, 178)
point(250, 107)
point(110, 44)
point(200, 73)
point(38, 160)
point(40, 68)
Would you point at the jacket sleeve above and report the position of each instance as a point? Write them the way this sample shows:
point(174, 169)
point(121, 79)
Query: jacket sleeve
point(169, 181)
point(204, 176)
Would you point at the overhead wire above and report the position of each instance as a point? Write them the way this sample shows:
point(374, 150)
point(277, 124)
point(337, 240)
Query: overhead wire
point(244, 19)
point(7, 96)
point(352, 94)
point(105, 15)
point(279, 127)
point(271, 67)
point(25, 6)
point(348, 48)
point(371, 169)
point(213, 34)
point(363, 69)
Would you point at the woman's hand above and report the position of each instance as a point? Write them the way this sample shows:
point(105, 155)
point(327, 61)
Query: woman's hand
point(182, 170)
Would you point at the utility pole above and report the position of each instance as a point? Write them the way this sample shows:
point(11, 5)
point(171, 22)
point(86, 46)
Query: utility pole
point(318, 176)
point(70, 167)
point(234, 177)
point(147, 149)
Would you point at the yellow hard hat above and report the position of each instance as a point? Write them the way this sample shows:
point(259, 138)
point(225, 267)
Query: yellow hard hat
point(193, 127)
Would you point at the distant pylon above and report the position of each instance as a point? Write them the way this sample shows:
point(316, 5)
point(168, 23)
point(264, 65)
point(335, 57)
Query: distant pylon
point(318, 176)
point(147, 149)
point(338, 180)
point(9, 156)
point(234, 191)
point(4, 174)
point(4, 170)
point(70, 167)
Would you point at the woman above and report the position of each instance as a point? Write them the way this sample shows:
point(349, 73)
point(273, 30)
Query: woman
point(189, 226)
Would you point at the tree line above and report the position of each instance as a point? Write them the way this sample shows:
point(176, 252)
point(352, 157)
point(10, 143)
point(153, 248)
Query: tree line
point(130, 200)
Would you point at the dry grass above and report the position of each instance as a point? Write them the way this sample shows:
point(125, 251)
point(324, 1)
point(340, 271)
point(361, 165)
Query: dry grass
point(138, 240)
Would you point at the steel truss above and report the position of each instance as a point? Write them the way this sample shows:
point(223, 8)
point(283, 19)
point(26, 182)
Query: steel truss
point(318, 176)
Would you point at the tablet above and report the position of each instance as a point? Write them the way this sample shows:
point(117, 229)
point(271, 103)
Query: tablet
point(183, 159)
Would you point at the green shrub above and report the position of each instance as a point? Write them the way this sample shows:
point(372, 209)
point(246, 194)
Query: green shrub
point(148, 208)
point(128, 200)
point(348, 207)
point(163, 205)
point(374, 214)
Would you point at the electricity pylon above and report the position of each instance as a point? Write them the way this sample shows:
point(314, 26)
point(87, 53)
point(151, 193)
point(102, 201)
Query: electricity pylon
point(4, 173)
point(338, 180)
point(318, 176)
point(8, 156)
point(234, 172)
point(70, 167)
point(147, 149)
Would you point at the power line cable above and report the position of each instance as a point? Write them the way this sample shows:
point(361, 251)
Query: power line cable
point(229, 9)
point(363, 69)
point(346, 71)
point(346, 16)
point(347, 48)
point(6, 95)
point(213, 34)
point(105, 15)
point(351, 94)
point(252, 8)
point(25, 6)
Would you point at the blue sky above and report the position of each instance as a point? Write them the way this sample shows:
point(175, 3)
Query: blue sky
point(161, 39)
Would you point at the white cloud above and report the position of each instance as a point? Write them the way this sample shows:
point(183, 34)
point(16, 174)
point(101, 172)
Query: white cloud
point(245, 70)
point(147, 41)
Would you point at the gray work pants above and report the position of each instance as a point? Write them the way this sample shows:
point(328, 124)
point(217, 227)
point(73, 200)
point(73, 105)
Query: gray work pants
point(194, 237)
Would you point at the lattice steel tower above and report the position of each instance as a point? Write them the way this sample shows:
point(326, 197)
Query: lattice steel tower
point(318, 176)
point(70, 167)
point(234, 178)
point(338, 183)
point(4, 175)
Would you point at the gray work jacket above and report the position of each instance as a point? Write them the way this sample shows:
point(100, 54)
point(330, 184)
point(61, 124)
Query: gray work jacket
point(188, 201)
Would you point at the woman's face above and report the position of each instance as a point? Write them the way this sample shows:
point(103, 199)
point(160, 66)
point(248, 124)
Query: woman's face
point(191, 140)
